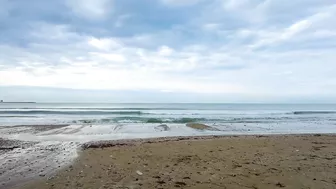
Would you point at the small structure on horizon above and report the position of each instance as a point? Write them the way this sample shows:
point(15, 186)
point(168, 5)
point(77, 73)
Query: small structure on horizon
point(2, 101)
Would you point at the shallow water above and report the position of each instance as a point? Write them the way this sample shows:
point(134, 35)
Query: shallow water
point(140, 120)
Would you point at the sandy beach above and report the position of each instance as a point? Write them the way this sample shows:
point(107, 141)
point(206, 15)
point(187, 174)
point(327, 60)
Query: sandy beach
point(278, 161)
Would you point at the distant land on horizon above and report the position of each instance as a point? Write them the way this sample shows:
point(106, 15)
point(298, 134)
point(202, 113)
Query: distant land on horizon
point(1, 101)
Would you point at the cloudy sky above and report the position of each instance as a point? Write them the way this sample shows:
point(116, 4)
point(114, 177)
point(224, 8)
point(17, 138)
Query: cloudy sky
point(168, 50)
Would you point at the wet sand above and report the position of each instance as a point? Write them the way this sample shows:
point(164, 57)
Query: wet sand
point(201, 126)
point(263, 162)
point(23, 161)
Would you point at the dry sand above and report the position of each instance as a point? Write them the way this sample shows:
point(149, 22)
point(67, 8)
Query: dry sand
point(292, 161)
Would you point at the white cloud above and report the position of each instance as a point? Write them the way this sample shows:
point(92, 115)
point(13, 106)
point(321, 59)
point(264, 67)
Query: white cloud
point(95, 63)
point(110, 57)
point(296, 28)
point(165, 51)
point(104, 44)
point(90, 9)
point(303, 29)
point(86, 76)
point(211, 26)
point(236, 4)
point(227, 53)
point(180, 2)
point(192, 69)
point(325, 33)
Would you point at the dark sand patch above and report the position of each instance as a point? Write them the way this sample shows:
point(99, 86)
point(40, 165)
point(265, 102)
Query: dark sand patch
point(8, 145)
point(132, 142)
point(200, 126)
point(261, 162)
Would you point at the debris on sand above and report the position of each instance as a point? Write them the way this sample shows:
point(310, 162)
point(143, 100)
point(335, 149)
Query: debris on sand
point(279, 184)
point(139, 172)
point(162, 127)
point(200, 126)
point(117, 127)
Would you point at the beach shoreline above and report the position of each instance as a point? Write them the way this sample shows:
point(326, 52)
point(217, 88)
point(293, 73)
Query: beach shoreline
point(256, 158)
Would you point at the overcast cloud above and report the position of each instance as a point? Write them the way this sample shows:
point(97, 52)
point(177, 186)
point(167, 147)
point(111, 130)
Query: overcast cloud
point(168, 50)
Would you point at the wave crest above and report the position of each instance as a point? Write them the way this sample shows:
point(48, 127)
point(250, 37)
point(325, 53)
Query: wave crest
point(313, 112)
point(49, 112)
point(140, 120)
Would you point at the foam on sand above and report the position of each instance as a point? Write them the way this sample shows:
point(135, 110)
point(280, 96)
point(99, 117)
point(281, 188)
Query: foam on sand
point(39, 160)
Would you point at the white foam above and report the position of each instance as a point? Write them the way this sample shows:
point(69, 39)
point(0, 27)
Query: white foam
point(85, 133)
point(81, 134)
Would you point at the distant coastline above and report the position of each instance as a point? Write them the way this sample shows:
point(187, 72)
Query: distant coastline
point(1, 102)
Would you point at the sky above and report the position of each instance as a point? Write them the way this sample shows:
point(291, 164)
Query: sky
point(168, 50)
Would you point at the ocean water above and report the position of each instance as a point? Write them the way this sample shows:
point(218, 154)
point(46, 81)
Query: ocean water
point(227, 118)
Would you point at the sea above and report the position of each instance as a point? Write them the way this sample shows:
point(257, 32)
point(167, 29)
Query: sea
point(142, 119)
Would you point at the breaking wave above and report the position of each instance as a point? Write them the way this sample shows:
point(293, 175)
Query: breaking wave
point(50, 112)
point(313, 112)
point(79, 108)
point(141, 120)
